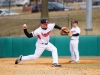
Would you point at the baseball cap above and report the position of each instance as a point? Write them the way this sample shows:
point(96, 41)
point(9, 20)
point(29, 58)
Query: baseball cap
point(75, 21)
point(44, 21)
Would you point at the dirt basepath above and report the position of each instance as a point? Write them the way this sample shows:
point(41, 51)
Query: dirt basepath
point(42, 66)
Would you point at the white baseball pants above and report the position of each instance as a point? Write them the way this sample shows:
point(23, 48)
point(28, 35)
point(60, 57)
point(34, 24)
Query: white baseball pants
point(39, 50)
point(74, 50)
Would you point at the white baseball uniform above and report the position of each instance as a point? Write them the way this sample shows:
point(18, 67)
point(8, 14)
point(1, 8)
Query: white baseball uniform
point(74, 44)
point(43, 44)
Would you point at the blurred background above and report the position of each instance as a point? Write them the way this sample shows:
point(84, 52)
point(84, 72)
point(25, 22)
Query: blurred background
point(15, 13)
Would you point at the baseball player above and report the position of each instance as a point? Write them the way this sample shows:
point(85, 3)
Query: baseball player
point(74, 42)
point(43, 34)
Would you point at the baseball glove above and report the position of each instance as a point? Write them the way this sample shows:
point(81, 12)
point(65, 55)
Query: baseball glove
point(66, 31)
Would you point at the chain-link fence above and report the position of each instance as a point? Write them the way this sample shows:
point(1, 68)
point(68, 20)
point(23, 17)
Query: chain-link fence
point(13, 26)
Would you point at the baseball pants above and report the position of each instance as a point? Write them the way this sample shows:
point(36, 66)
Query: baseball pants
point(40, 49)
point(74, 50)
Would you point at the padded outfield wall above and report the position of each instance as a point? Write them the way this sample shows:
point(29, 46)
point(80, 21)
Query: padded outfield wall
point(15, 46)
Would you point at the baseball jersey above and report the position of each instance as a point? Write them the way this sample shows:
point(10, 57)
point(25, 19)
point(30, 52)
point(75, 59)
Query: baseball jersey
point(75, 30)
point(43, 34)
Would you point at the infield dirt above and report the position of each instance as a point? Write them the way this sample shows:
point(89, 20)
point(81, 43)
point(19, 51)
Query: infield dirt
point(42, 66)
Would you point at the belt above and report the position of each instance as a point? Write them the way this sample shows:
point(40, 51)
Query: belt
point(74, 39)
point(45, 43)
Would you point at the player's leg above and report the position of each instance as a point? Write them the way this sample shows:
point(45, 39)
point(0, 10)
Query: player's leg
point(53, 49)
point(72, 51)
point(37, 54)
point(75, 47)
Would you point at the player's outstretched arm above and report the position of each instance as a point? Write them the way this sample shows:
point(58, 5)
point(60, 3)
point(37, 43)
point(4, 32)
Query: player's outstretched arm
point(29, 35)
point(57, 27)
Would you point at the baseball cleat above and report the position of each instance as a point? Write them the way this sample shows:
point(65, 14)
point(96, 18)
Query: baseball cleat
point(18, 60)
point(56, 65)
point(72, 61)
point(77, 62)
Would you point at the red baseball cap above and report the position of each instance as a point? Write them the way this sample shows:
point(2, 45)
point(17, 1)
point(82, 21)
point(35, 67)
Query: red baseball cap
point(75, 21)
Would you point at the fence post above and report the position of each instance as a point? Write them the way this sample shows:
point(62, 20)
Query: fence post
point(68, 20)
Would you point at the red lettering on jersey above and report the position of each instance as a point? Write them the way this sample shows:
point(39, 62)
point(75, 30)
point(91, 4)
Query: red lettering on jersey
point(39, 36)
point(73, 31)
point(46, 34)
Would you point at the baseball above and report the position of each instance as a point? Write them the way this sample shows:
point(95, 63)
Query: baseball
point(24, 25)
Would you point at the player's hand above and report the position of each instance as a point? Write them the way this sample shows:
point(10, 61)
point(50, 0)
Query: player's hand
point(24, 26)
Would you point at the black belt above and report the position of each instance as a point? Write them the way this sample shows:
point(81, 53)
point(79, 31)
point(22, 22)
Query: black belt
point(45, 43)
point(74, 39)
